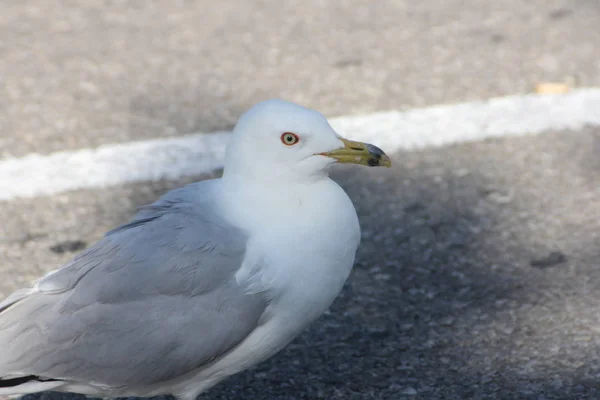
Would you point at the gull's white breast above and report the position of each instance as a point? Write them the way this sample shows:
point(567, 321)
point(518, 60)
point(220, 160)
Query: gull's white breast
point(301, 250)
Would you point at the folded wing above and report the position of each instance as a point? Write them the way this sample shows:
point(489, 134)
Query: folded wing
point(154, 299)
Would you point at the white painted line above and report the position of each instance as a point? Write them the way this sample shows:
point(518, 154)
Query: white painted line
point(149, 160)
point(36, 175)
point(447, 124)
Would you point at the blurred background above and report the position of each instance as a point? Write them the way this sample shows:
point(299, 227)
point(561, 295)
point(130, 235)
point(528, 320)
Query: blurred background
point(479, 272)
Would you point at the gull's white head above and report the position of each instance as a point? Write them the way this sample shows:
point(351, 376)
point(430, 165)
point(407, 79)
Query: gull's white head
point(277, 140)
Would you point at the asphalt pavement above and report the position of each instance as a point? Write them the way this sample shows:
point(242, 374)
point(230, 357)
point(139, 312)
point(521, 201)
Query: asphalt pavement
point(478, 276)
point(79, 74)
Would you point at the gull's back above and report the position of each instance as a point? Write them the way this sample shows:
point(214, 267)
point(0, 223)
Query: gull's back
point(153, 300)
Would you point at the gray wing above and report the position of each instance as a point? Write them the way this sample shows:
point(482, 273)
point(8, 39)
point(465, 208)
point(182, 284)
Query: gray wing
point(152, 300)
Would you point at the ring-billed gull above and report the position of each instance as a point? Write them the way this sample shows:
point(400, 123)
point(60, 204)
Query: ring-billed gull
point(209, 280)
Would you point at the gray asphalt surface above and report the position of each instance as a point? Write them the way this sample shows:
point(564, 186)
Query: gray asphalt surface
point(479, 273)
point(78, 74)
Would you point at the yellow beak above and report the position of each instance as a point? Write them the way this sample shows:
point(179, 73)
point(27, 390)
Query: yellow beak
point(360, 153)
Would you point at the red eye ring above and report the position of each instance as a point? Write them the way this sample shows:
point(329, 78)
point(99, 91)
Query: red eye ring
point(289, 138)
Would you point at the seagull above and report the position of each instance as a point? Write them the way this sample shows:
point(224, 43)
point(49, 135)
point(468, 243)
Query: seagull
point(209, 280)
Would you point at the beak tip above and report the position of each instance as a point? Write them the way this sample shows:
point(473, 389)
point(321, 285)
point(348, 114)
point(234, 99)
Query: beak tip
point(385, 161)
point(379, 158)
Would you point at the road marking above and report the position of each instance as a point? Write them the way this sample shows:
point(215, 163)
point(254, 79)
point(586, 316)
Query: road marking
point(37, 175)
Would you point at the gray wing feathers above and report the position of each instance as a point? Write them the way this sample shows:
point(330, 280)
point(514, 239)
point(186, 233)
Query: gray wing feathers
point(154, 299)
point(14, 298)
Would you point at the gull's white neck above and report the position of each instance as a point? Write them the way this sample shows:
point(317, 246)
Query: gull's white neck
point(303, 237)
point(281, 201)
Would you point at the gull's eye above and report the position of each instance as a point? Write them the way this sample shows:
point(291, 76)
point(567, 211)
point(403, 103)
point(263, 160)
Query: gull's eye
point(289, 138)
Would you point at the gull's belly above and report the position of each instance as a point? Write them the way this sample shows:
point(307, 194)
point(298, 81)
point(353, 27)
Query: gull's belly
point(309, 275)
point(301, 270)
